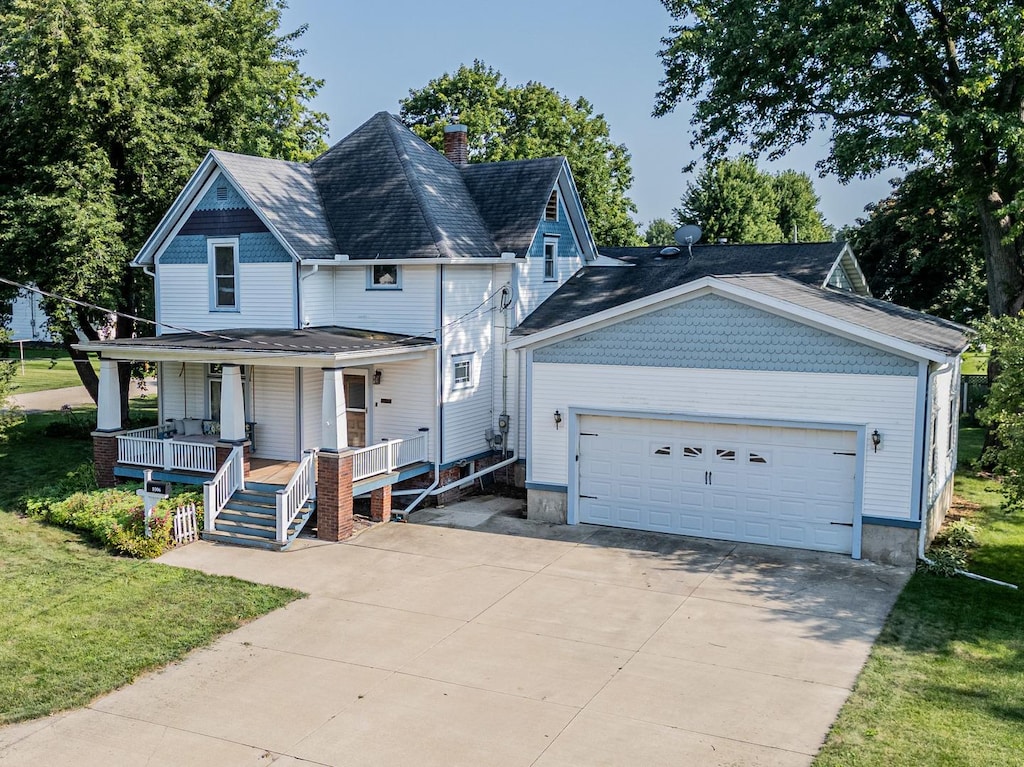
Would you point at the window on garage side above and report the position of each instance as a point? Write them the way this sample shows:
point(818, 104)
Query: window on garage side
point(462, 370)
point(223, 260)
point(384, 277)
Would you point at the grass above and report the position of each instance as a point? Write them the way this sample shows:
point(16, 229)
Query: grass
point(945, 681)
point(45, 369)
point(77, 622)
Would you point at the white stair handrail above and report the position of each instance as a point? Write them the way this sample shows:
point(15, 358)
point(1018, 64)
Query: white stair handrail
point(299, 490)
point(218, 491)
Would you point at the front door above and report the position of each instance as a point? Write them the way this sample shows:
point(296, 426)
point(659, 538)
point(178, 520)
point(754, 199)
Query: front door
point(355, 407)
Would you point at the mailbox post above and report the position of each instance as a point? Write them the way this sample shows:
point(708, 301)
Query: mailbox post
point(152, 492)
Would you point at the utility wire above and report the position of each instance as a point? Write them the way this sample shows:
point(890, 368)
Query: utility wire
point(221, 336)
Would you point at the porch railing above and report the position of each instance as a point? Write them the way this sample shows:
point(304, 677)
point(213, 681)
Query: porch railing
point(300, 489)
point(218, 491)
point(388, 456)
point(142, 447)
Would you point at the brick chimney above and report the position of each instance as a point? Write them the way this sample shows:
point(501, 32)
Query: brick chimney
point(456, 144)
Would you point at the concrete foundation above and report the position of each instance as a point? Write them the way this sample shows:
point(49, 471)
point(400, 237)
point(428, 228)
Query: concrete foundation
point(889, 545)
point(546, 506)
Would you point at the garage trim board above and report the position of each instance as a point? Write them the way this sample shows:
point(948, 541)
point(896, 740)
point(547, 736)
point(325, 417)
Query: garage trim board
point(782, 483)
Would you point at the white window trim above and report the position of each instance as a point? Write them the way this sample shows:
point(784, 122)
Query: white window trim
point(553, 242)
point(370, 285)
point(211, 250)
point(457, 360)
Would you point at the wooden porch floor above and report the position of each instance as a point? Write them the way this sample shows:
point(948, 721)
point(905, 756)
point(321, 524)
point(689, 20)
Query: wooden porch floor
point(271, 472)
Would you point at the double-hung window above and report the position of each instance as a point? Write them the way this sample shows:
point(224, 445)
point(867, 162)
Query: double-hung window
point(223, 259)
point(550, 259)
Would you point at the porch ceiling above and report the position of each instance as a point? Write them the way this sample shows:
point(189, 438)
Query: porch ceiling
point(308, 347)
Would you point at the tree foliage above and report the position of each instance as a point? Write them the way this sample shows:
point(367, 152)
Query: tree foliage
point(896, 83)
point(733, 200)
point(106, 107)
point(1004, 410)
point(520, 122)
point(660, 232)
point(9, 414)
point(921, 247)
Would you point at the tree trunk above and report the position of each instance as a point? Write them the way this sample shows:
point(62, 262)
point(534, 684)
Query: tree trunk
point(1003, 267)
point(90, 380)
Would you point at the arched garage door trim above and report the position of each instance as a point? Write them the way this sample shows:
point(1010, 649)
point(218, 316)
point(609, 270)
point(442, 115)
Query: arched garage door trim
point(576, 413)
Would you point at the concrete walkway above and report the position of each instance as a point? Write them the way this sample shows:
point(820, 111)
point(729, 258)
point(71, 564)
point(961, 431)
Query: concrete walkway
point(76, 396)
point(509, 643)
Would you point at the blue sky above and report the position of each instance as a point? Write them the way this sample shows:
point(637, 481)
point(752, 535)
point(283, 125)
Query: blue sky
point(372, 53)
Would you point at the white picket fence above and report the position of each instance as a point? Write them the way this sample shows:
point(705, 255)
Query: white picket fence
point(185, 526)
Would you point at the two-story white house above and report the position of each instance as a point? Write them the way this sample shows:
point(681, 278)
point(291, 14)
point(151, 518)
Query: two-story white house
point(388, 318)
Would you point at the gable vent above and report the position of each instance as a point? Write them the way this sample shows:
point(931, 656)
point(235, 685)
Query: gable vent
point(222, 192)
point(551, 211)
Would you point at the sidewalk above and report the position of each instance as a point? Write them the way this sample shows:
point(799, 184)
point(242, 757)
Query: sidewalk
point(76, 396)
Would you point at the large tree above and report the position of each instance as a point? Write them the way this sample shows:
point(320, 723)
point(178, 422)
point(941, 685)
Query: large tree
point(106, 107)
point(896, 82)
point(732, 199)
point(516, 122)
point(921, 247)
point(660, 232)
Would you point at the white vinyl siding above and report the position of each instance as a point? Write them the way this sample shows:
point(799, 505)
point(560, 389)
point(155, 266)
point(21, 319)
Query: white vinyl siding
point(317, 302)
point(266, 292)
point(882, 402)
point(468, 331)
point(410, 388)
point(410, 310)
point(274, 410)
point(941, 461)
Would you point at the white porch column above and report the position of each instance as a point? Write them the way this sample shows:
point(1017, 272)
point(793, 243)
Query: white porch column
point(335, 420)
point(232, 406)
point(108, 412)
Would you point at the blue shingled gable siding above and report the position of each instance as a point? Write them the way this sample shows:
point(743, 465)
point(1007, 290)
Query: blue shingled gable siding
point(233, 200)
point(230, 217)
point(257, 248)
point(712, 332)
point(566, 242)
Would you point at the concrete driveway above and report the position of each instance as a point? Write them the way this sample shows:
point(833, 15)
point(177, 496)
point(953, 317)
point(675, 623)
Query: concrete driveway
point(512, 643)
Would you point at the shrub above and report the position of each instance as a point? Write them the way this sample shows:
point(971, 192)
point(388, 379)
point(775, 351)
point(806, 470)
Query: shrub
point(113, 518)
point(960, 534)
point(945, 561)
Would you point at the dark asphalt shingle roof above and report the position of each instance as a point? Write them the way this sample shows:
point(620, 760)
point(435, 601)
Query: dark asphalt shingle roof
point(788, 272)
point(511, 197)
point(318, 340)
point(286, 193)
point(387, 193)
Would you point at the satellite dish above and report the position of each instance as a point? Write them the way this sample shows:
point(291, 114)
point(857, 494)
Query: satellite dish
point(688, 234)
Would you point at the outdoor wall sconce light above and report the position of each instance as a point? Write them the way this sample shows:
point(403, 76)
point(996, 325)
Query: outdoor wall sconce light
point(376, 377)
point(558, 418)
point(876, 439)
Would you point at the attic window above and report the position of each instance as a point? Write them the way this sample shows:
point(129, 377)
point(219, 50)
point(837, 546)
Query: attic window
point(551, 211)
point(222, 192)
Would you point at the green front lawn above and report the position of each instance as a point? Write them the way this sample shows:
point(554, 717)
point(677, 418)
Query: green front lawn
point(77, 622)
point(45, 369)
point(945, 682)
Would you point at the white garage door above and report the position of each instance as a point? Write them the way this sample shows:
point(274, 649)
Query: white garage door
point(759, 484)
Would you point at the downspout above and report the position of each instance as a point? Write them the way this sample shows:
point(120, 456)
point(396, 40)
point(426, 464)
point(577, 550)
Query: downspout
point(923, 531)
point(298, 292)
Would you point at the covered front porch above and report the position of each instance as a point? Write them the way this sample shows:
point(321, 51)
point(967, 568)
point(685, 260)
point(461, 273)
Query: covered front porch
point(275, 424)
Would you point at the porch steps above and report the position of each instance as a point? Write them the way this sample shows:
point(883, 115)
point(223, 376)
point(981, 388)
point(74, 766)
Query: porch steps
point(250, 519)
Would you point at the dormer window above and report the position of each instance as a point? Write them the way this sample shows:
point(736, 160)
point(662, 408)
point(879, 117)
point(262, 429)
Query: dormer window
point(551, 211)
point(384, 277)
point(222, 255)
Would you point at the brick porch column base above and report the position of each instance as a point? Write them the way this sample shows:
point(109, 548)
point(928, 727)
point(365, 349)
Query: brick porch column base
point(333, 495)
point(224, 450)
point(104, 457)
point(380, 504)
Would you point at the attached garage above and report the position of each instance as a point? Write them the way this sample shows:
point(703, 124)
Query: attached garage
point(753, 394)
point(774, 485)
